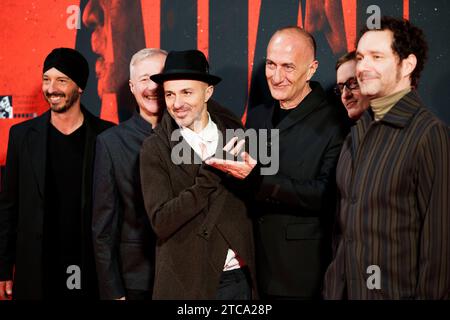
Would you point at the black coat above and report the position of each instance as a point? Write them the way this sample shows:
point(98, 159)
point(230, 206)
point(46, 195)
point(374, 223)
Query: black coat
point(294, 208)
point(124, 243)
point(22, 206)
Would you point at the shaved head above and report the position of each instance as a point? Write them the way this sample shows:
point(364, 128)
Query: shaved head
point(299, 37)
point(290, 64)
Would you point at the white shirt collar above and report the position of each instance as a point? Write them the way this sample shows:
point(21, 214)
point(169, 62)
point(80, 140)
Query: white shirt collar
point(209, 136)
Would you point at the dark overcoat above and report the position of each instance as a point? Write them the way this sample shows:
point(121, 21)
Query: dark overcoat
point(194, 213)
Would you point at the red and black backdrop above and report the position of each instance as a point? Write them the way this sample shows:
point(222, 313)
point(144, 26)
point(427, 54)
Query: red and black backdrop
point(232, 33)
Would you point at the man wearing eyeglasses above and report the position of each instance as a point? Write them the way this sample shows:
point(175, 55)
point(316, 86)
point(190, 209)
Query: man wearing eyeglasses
point(347, 87)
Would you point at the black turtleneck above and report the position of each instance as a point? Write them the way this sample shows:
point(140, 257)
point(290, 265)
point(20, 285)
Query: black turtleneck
point(279, 114)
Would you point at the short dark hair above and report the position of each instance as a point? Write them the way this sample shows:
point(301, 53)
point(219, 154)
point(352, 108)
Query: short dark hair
point(408, 39)
point(349, 56)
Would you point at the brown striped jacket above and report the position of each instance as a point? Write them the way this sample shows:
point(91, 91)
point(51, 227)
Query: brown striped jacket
point(394, 212)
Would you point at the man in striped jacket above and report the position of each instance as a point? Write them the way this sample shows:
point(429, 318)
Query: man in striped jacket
point(392, 229)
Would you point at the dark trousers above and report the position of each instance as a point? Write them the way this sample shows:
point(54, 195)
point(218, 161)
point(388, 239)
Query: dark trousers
point(139, 295)
point(235, 285)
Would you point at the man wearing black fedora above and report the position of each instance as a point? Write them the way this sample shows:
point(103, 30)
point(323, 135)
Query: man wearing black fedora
point(205, 241)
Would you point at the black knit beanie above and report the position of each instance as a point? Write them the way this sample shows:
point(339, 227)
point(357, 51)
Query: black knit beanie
point(71, 63)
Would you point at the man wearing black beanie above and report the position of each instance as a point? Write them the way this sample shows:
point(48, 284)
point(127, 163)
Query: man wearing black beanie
point(45, 203)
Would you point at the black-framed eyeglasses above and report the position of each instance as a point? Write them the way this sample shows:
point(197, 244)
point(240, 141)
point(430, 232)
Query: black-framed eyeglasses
point(350, 84)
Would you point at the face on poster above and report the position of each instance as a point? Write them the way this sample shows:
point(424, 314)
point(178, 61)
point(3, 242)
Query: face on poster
point(116, 29)
point(117, 33)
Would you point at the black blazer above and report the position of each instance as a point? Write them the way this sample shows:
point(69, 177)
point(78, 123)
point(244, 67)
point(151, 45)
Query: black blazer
point(293, 209)
point(22, 206)
point(124, 242)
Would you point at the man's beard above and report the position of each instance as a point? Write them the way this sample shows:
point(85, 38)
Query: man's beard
point(73, 96)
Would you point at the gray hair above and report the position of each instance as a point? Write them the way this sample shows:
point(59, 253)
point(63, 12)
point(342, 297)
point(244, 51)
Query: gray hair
point(144, 54)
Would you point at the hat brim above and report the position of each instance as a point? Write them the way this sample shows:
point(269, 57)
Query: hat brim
point(182, 74)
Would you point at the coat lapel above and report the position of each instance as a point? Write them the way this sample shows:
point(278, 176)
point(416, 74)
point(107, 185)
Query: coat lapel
point(297, 115)
point(359, 130)
point(190, 168)
point(37, 147)
point(399, 116)
point(311, 103)
point(268, 123)
point(89, 152)
point(404, 110)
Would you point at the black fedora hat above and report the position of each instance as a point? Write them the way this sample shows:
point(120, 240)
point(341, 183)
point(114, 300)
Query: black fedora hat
point(190, 64)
